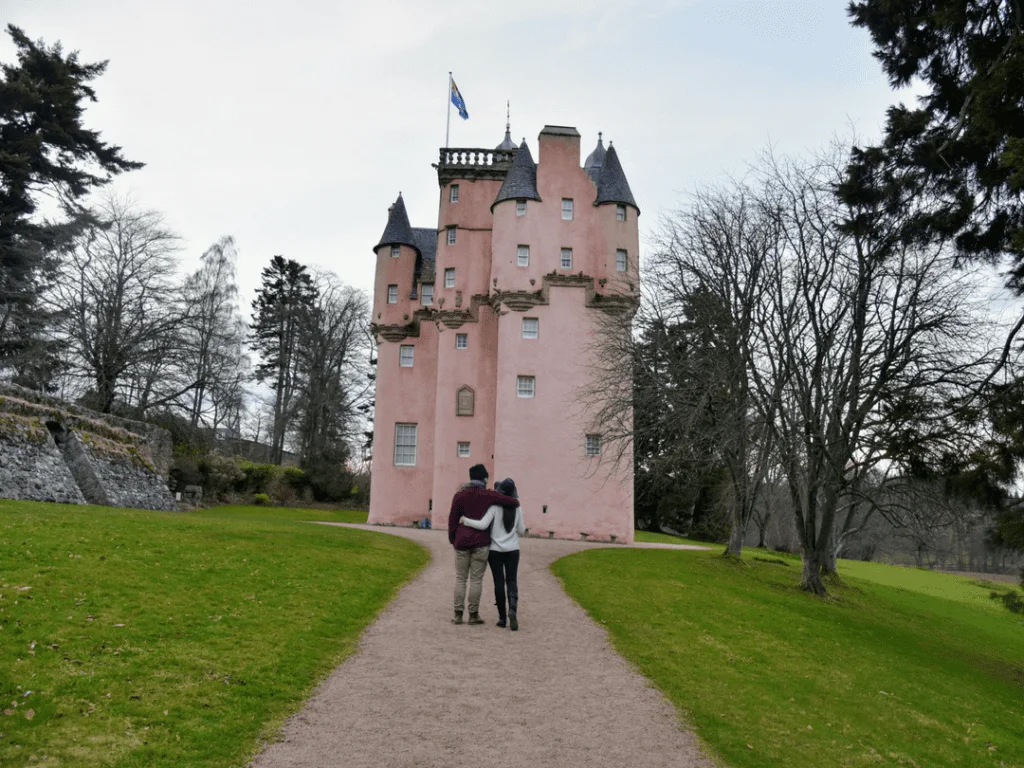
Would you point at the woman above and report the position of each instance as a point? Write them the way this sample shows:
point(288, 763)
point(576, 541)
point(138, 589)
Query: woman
point(506, 524)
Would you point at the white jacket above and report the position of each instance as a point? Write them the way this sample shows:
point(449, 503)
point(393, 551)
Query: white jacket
point(501, 540)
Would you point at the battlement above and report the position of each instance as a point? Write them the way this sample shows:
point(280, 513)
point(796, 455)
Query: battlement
point(462, 163)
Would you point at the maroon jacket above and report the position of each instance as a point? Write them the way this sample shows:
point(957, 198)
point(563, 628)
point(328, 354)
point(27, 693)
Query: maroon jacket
point(473, 501)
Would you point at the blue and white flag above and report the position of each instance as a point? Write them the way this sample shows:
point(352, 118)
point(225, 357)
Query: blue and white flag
point(458, 102)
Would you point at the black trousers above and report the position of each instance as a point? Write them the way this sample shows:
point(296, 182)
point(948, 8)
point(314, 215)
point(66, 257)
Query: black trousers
point(505, 570)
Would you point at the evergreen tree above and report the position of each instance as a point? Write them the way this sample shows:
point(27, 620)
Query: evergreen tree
point(45, 147)
point(282, 304)
point(962, 147)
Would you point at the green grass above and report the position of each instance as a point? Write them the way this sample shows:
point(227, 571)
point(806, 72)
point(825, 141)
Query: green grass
point(897, 667)
point(174, 639)
point(649, 537)
point(287, 513)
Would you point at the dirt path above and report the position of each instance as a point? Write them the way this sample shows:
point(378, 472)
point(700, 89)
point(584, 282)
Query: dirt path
point(424, 692)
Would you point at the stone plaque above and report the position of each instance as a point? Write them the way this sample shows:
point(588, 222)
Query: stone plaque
point(464, 402)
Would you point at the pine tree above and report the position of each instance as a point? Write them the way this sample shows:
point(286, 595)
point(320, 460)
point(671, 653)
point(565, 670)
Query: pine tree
point(45, 148)
point(282, 303)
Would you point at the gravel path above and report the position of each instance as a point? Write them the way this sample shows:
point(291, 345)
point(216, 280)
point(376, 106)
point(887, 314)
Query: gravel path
point(423, 692)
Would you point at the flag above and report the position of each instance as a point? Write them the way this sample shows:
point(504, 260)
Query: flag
point(458, 102)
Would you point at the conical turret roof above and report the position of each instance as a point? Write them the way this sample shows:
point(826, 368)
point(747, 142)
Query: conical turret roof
point(521, 180)
point(398, 231)
point(612, 186)
point(595, 160)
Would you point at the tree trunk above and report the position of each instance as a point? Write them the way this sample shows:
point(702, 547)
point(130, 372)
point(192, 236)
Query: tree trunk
point(736, 536)
point(810, 580)
point(762, 539)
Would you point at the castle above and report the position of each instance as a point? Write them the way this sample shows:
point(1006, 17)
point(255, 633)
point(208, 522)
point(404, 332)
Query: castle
point(486, 327)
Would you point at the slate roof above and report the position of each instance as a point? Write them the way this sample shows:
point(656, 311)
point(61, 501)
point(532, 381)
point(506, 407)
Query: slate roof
point(398, 231)
point(612, 186)
point(560, 130)
point(507, 143)
point(595, 160)
point(521, 180)
point(426, 244)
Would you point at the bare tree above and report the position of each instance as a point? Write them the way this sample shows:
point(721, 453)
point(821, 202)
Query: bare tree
point(333, 359)
point(114, 299)
point(866, 345)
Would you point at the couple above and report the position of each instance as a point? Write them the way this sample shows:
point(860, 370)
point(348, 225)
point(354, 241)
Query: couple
point(485, 526)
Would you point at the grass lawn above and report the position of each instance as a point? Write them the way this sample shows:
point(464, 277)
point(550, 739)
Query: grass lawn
point(897, 667)
point(151, 638)
point(287, 513)
point(649, 537)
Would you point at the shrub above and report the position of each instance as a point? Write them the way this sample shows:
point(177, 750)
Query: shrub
point(328, 477)
point(221, 475)
point(295, 478)
point(257, 478)
point(260, 499)
point(185, 470)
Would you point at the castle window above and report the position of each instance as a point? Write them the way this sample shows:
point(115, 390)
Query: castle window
point(620, 212)
point(449, 277)
point(567, 258)
point(451, 235)
point(405, 355)
point(520, 207)
point(405, 445)
point(427, 294)
point(593, 445)
point(523, 256)
point(463, 450)
point(453, 194)
point(566, 209)
point(392, 294)
point(531, 327)
point(464, 401)
point(461, 341)
point(526, 386)
point(396, 251)
point(621, 260)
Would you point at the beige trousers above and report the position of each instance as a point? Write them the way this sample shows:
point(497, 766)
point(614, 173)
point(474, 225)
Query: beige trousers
point(471, 563)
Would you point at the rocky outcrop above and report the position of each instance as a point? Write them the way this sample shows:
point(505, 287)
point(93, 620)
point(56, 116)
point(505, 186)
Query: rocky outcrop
point(55, 451)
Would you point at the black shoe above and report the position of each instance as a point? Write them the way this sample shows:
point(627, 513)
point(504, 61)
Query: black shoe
point(513, 622)
point(474, 618)
point(457, 618)
point(501, 623)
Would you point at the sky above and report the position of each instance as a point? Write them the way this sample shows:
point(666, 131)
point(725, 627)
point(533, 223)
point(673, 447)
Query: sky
point(293, 126)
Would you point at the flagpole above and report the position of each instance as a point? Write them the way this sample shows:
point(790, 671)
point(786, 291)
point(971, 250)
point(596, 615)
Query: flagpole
point(448, 125)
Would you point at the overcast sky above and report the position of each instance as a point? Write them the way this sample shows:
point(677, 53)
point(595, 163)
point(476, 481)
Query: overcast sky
point(293, 126)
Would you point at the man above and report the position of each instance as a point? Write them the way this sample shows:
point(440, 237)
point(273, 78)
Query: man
point(471, 546)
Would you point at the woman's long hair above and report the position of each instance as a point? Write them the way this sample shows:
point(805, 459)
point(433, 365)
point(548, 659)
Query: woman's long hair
point(508, 515)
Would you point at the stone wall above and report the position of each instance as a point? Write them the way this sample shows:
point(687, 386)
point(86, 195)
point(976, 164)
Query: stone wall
point(55, 451)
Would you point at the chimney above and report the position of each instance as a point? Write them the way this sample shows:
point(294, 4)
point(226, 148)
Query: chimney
point(559, 145)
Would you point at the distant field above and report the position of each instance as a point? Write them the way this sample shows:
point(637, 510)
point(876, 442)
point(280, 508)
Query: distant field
point(287, 513)
point(899, 667)
point(142, 638)
point(665, 538)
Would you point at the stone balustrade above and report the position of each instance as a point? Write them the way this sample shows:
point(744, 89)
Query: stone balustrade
point(467, 163)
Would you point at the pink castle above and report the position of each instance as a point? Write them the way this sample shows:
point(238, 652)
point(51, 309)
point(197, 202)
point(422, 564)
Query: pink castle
point(486, 326)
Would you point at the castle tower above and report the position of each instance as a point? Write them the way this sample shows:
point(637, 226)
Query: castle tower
point(527, 257)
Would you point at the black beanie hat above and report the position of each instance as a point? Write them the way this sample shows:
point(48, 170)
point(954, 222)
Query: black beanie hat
point(478, 472)
point(508, 487)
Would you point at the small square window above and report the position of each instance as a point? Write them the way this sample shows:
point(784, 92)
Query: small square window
point(451, 235)
point(461, 341)
point(531, 327)
point(620, 212)
point(566, 209)
point(593, 445)
point(526, 386)
point(453, 194)
point(392, 294)
point(405, 355)
point(621, 260)
point(567, 258)
point(463, 450)
point(405, 445)
point(449, 277)
point(427, 294)
point(520, 207)
point(396, 251)
point(523, 256)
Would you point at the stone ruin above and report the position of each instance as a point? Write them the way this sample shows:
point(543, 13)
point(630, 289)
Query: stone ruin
point(54, 451)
